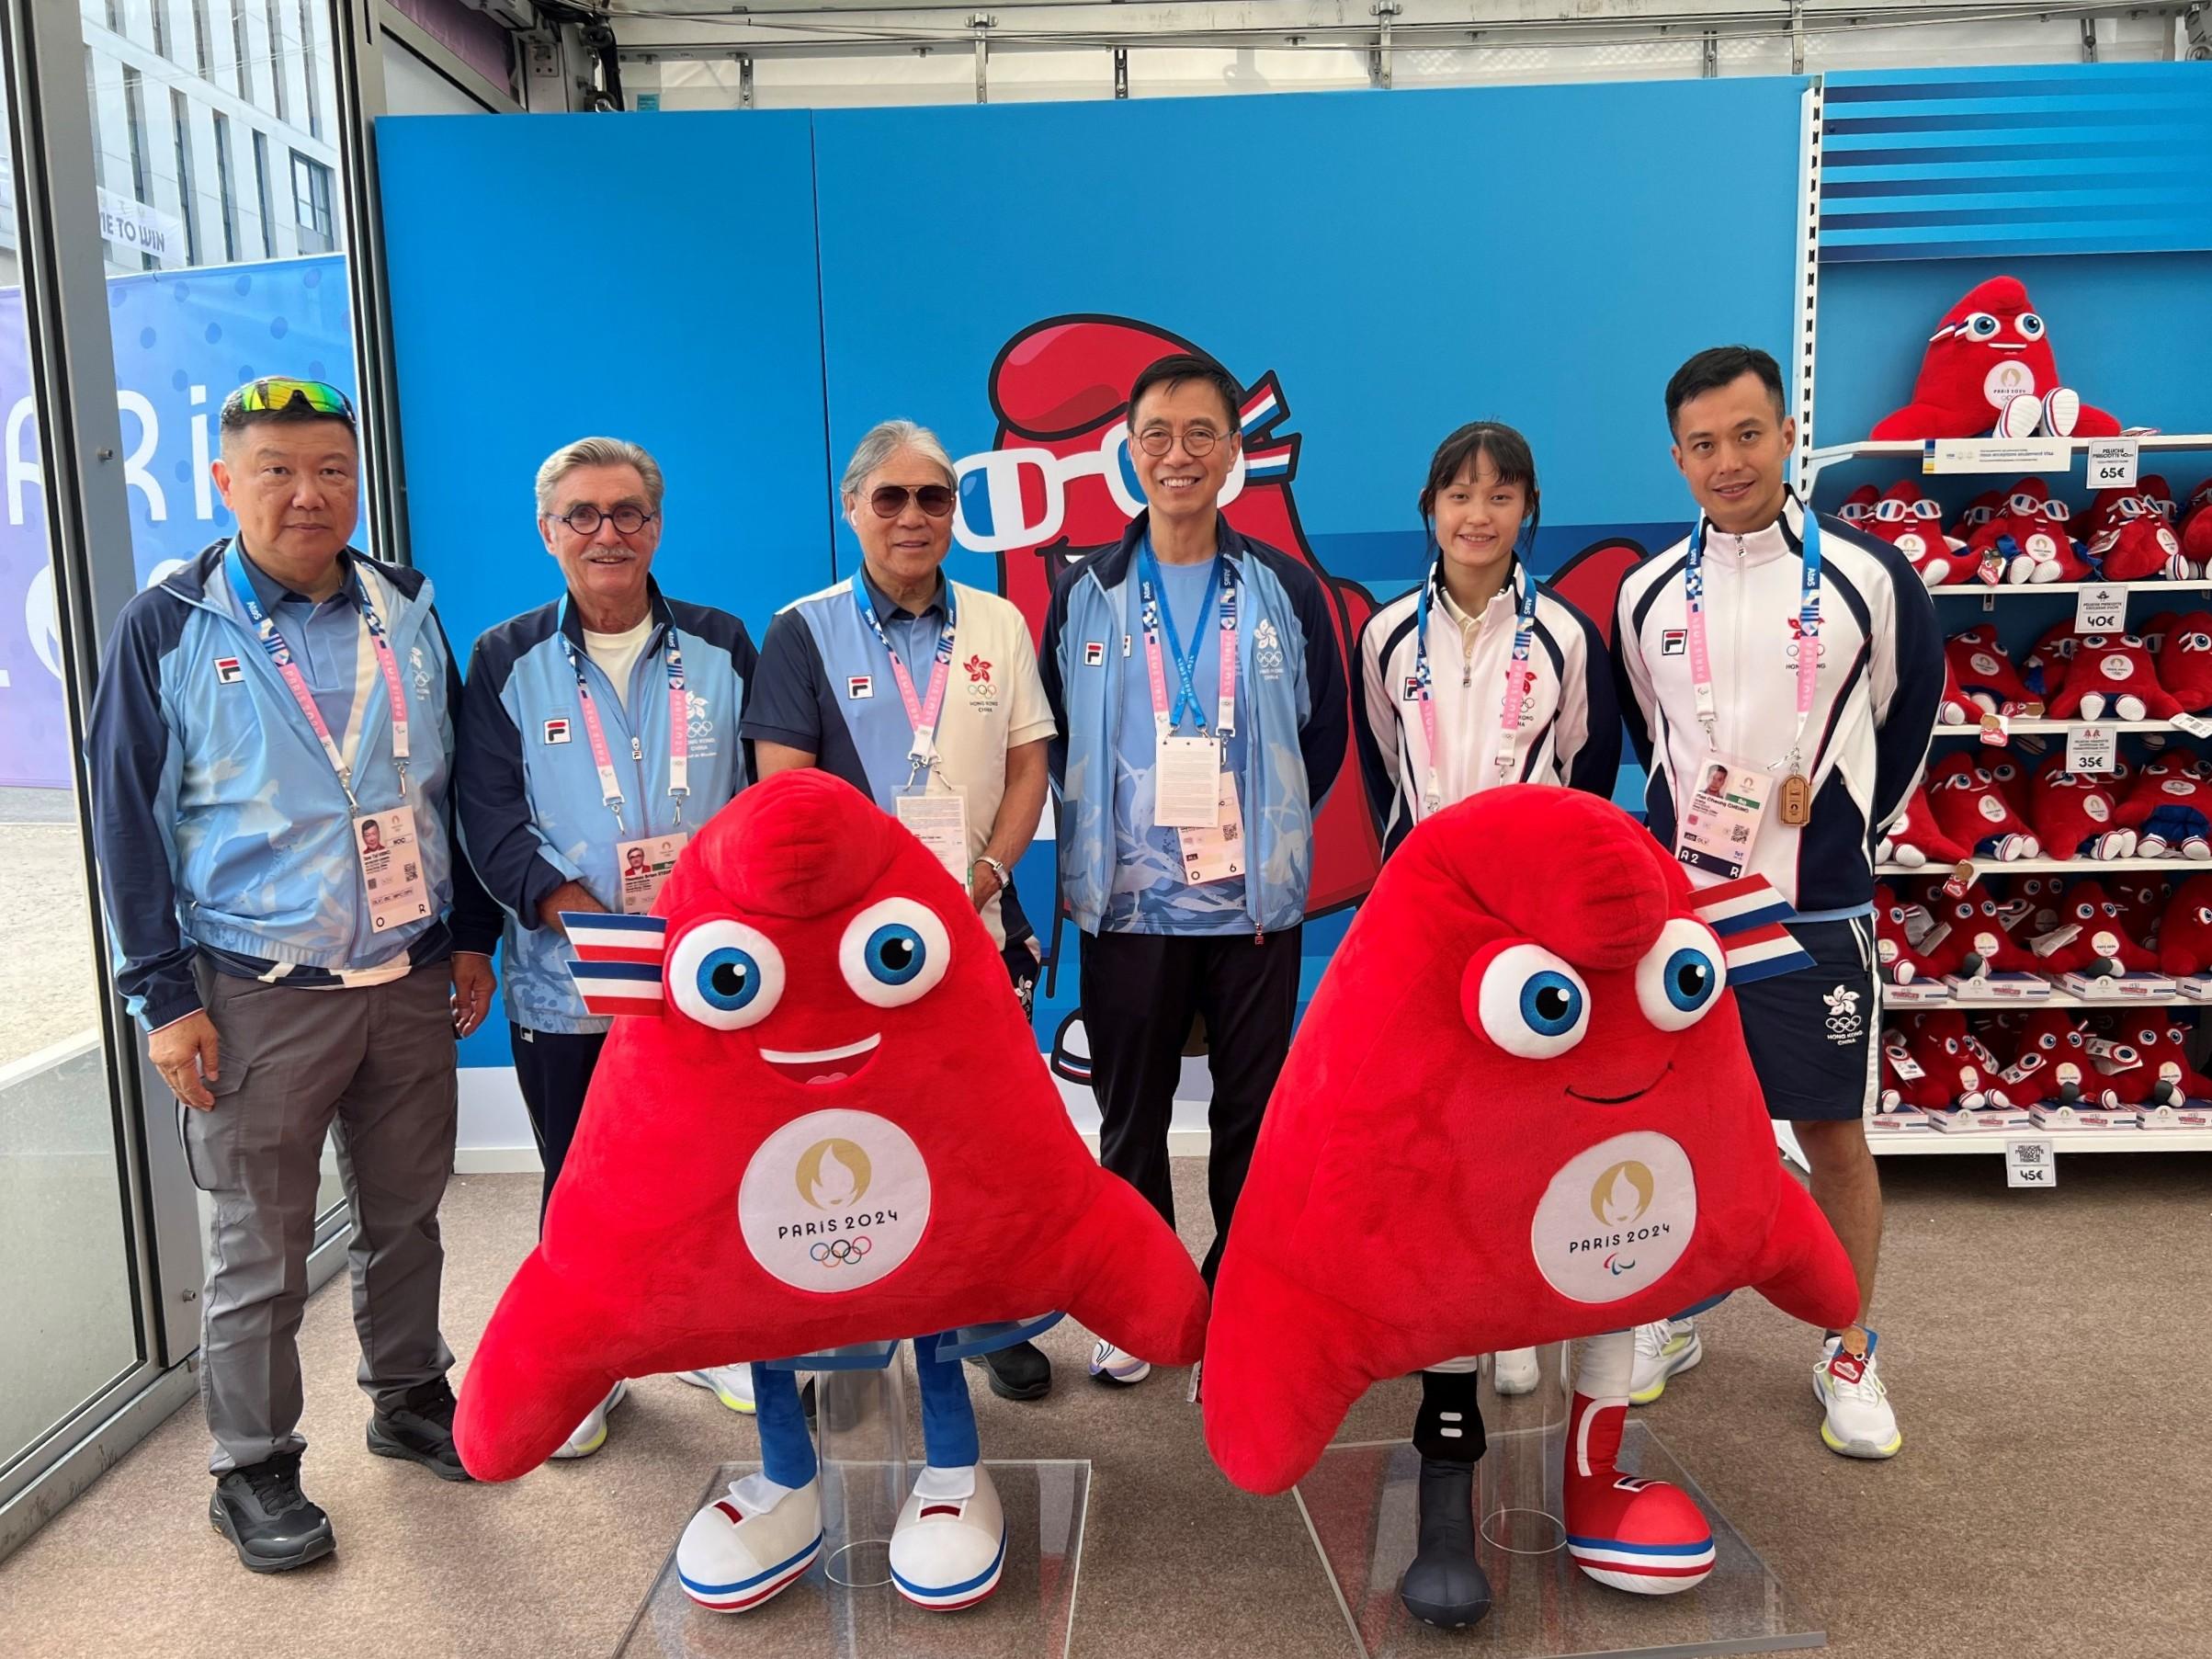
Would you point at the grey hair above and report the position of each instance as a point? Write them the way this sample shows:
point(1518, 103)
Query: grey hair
point(884, 440)
point(597, 452)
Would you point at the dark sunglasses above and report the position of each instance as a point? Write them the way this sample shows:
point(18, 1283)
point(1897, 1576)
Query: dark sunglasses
point(274, 393)
point(888, 501)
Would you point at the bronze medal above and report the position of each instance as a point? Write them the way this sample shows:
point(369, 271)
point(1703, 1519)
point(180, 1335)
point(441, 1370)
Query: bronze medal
point(1795, 806)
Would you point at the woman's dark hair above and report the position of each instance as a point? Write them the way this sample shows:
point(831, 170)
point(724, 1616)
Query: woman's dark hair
point(1506, 450)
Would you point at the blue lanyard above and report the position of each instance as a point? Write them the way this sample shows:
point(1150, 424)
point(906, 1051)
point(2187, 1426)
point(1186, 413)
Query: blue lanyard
point(1516, 678)
point(1157, 616)
point(679, 726)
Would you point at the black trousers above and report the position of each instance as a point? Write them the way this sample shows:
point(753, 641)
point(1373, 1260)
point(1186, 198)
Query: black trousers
point(554, 1069)
point(1140, 992)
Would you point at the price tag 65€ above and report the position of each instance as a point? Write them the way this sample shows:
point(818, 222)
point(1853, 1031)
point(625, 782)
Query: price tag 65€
point(2112, 462)
point(2101, 607)
point(2091, 749)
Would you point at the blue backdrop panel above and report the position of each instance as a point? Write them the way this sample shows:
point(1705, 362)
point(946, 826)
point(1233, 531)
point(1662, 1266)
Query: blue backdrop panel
point(651, 279)
point(2055, 159)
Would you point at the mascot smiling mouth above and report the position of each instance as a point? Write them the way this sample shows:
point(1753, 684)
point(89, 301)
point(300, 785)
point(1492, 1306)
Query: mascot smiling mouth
point(1623, 1100)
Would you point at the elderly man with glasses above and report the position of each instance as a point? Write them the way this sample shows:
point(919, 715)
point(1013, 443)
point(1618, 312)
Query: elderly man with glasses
point(597, 732)
point(922, 693)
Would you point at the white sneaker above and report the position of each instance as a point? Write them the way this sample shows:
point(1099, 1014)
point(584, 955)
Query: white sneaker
point(732, 1384)
point(1859, 1422)
point(949, 1545)
point(1515, 1371)
point(591, 1434)
point(744, 1548)
point(1111, 1365)
point(1664, 1349)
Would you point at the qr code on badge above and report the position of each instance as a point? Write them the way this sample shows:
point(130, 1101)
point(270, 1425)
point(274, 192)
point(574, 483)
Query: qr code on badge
point(408, 871)
point(1229, 832)
point(372, 884)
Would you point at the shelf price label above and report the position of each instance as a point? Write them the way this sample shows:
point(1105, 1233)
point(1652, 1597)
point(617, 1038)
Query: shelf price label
point(2030, 1162)
point(2195, 724)
point(2091, 748)
point(2101, 607)
point(1996, 454)
point(2112, 462)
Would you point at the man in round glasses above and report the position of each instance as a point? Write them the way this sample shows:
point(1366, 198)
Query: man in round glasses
point(924, 694)
point(271, 760)
point(1202, 699)
point(597, 732)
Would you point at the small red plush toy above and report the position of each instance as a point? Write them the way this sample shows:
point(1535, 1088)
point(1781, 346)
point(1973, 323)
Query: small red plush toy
point(2178, 1081)
point(2130, 539)
point(2182, 647)
point(1899, 964)
point(1969, 938)
point(1988, 368)
point(2045, 667)
point(2196, 526)
point(2169, 806)
point(1914, 837)
point(2122, 1044)
point(1956, 709)
point(2050, 1058)
point(1970, 809)
point(1858, 507)
point(2011, 768)
point(2184, 932)
point(1987, 675)
point(2096, 944)
point(2076, 815)
point(1906, 1082)
point(2028, 538)
point(1974, 513)
point(1960, 1068)
point(2142, 895)
point(1911, 521)
point(2112, 673)
point(2030, 904)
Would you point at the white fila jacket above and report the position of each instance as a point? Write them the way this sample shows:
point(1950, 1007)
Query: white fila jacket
point(1874, 705)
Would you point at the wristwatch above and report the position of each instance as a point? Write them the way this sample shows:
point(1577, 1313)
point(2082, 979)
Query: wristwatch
point(1006, 876)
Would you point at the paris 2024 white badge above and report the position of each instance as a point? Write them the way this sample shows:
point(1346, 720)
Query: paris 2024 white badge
point(1616, 1217)
point(834, 1201)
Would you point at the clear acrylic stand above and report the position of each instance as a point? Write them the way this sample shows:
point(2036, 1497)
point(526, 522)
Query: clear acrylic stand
point(1519, 1501)
point(846, 1607)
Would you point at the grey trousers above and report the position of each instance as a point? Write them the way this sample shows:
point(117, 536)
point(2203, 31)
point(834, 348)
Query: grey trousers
point(376, 1063)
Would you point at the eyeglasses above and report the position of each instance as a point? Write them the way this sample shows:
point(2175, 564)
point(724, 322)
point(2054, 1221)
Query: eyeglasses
point(888, 501)
point(587, 519)
point(272, 395)
point(1198, 441)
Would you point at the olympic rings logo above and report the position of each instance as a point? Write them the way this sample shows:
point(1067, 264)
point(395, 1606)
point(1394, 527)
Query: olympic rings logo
point(840, 1253)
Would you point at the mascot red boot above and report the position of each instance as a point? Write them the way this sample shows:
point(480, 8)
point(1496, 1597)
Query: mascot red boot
point(1543, 1046)
point(823, 1125)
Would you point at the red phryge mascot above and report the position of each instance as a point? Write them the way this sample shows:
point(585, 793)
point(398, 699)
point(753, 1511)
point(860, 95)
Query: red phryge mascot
point(1528, 1025)
point(828, 1127)
point(1989, 369)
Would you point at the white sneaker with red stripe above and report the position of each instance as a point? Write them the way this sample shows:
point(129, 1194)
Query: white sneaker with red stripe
point(744, 1547)
point(949, 1545)
point(1645, 1537)
point(1859, 1422)
point(732, 1384)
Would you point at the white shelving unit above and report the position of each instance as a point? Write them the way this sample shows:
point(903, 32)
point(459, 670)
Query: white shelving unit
point(2013, 590)
point(1924, 1143)
point(2044, 867)
point(2060, 728)
point(2004, 457)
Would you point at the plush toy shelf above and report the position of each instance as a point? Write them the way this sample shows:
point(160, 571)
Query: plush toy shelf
point(1910, 1142)
point(2004, 456)
point(1984, 868)
point(2058, 728)
point(1954, 590)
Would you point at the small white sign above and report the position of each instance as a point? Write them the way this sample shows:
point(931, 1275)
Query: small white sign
point(2101, 608)
point(2112, 462)
point(135, 228)
point(2090, 749)
point(2196, 726)
point(1997, 455)
point(2030, 1162)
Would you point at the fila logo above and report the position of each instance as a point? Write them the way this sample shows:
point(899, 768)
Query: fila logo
point(556, 731)
point(858, 686)
point(1674, 642)
point(227, 671)
point(1412, 688)
point(1094, 653)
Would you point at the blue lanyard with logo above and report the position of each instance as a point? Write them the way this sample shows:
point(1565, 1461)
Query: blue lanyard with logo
point(922, 710)
point(1518, 677)
point(281, 655)
point(1156, 615)
point(679, 727)
point(1796, 796)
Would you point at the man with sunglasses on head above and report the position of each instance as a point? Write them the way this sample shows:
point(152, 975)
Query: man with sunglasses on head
point(597, 732)
point(922, 693)
point(1202, 699)
point(271, 755)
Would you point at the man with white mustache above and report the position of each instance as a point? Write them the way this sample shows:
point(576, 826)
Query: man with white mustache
point(597, 732)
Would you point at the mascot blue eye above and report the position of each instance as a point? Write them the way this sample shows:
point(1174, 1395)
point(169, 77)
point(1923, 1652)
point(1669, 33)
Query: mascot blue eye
point(1680, 977)
point(895, 953)
point(1551, 1003)
point(729, 978)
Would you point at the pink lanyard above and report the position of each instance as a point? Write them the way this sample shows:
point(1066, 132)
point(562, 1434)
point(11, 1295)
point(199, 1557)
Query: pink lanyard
point(922, 713)
point(1808, 625)
point(1519, 676)
point(679, 732)
point(280, 657)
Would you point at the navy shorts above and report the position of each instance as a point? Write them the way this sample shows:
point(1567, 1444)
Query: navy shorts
point(1811, 1033)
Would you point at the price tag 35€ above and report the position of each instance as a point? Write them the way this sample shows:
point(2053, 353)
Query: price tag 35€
point(2101, 608)
point(2090, 749)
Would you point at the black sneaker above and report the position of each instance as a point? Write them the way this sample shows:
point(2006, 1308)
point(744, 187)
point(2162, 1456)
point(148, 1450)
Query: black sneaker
point(1445, 1585)
point(1020, 1372)
point(421, 1431)
point(269, 1521)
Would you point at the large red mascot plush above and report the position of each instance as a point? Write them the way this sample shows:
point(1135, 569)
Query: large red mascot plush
point(1527, 1029)
point(1988, 367)
point(824, 1124)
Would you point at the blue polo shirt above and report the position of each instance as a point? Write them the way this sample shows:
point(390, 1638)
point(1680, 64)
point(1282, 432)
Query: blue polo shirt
point(325, 635)
point(1149, 895)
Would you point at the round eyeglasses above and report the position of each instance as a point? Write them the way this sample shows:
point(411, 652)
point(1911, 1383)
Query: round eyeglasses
point(1198, 441)
point(587, 519)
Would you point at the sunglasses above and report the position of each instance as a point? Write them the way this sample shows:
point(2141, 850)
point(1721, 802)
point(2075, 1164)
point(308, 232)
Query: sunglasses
point(272, 395)
point(888, 501)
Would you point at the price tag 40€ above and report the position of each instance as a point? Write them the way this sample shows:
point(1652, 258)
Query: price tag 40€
point(2101, 608)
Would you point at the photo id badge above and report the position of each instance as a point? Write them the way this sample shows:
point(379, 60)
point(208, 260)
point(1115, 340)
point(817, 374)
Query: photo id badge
point(644, 865)
point(392, 869)
point(1217, 852)
point(1186, 789)
point(1722, 823)
point(939, 821)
